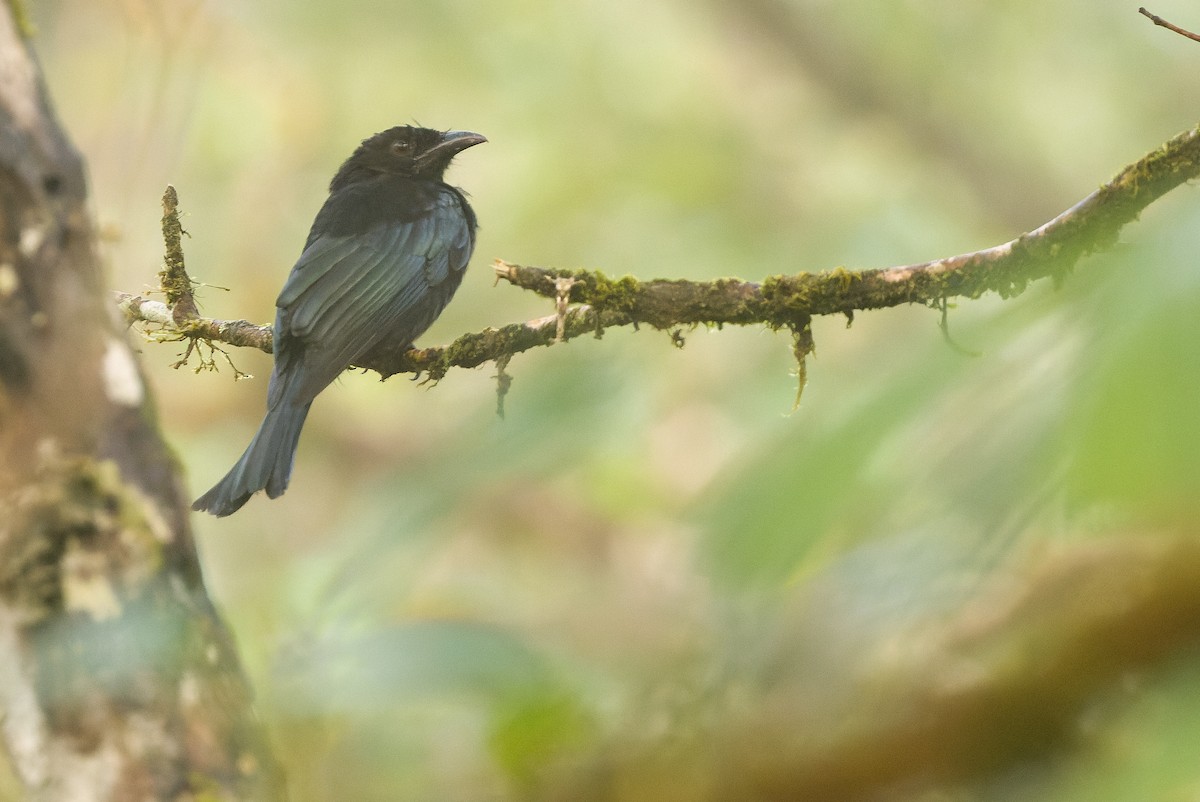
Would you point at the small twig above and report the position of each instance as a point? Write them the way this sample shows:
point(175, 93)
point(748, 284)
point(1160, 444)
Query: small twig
point(944, 324)
point(803, 346)
point(503, 383)
point(240, 333)
point(562, 294)
point(173, 277)
point(1157, 20)
point(187, 355)
point(138, 309)
point(211, 364)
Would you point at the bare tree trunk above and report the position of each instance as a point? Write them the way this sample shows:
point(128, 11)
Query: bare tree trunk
point(118, 681)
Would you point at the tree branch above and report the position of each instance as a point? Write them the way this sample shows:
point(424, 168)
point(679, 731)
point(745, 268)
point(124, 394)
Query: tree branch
point(1049, 251)
point(786, 301)
point(173, 277)
point(1157, 20)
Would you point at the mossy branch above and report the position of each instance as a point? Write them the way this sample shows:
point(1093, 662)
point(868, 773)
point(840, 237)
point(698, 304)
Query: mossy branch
point(588, 302)
point(173, 277)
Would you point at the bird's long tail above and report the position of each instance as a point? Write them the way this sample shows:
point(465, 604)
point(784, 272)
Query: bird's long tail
point(266, 463)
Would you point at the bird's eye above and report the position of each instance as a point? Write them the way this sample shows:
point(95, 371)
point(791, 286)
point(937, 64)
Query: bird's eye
point(401, 148)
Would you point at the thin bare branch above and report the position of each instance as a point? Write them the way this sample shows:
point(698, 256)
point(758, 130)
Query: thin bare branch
point(1157, 20)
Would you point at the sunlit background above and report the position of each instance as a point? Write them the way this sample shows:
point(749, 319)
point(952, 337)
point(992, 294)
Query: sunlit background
point(943, 576)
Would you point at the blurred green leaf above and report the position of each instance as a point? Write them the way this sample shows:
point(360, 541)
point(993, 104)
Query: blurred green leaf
point(1139, 428)
point(390, 667)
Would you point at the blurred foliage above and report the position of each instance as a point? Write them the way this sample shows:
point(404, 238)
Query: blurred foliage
point(942, 577)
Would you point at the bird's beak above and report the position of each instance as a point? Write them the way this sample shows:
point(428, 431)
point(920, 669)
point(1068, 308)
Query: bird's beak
point(452, 143)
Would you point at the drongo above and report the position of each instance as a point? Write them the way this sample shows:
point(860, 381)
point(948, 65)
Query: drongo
point(385, 253)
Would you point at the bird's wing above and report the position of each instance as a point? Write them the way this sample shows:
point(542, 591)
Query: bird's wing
point(348, 292)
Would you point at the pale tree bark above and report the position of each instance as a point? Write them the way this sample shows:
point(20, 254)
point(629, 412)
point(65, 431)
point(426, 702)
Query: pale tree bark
point(118, 680)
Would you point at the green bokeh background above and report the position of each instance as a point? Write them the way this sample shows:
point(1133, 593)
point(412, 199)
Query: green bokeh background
point(654, 579)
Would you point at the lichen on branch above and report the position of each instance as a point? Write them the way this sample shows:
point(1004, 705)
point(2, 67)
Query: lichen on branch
point(781, 301)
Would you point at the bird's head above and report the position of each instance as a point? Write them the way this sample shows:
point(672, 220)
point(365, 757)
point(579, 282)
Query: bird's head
point(410, 151)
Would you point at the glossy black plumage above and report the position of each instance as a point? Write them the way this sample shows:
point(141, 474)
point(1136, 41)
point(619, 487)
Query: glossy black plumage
point(385, 254)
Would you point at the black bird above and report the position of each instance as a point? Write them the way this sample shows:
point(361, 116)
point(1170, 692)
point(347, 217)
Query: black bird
point(385, 253)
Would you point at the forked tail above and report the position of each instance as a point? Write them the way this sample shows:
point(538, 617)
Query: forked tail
point(266, 463)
